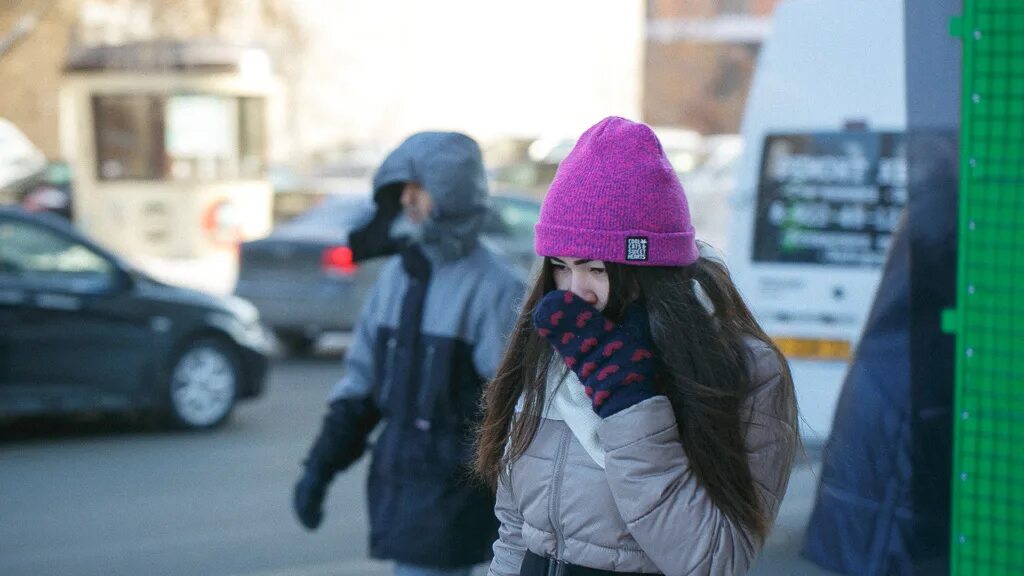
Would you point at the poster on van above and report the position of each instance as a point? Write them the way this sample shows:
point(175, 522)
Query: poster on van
point(830, 198)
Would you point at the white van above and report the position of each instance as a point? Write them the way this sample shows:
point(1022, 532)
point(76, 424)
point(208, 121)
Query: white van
point(821, 185)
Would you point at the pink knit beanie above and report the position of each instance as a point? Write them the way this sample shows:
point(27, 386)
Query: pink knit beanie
point(616, 198)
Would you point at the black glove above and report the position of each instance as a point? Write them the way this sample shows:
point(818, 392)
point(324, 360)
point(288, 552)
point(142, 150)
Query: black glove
point(374, 239)
point(308, 500)
point(341, 441)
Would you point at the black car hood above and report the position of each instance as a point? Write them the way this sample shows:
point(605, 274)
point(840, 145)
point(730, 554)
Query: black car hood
point(155, 290)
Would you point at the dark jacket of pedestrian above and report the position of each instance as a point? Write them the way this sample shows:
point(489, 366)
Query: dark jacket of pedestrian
point(431, 333)
point(884, 498)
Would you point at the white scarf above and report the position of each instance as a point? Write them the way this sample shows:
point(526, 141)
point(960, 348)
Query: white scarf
point(567, 401)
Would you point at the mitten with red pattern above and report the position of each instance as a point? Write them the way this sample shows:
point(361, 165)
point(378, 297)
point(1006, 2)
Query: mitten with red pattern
point(615, 362)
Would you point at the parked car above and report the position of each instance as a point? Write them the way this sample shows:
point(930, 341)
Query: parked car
point(304, 283)
point(82, 331)
point(49, 190)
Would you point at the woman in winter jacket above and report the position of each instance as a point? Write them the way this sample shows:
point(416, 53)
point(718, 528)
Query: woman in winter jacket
point(641, 421)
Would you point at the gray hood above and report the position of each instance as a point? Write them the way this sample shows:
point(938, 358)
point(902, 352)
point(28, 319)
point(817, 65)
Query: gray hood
point(449, 165)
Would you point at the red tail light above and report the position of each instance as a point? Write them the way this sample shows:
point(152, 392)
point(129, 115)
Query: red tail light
point(338, 260)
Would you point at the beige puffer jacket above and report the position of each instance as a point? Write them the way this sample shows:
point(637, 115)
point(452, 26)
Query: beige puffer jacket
point(644, 512)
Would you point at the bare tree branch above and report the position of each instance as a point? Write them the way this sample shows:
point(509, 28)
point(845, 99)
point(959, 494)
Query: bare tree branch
point(22, 28)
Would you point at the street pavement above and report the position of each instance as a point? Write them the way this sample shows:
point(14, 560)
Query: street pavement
point(111, 496)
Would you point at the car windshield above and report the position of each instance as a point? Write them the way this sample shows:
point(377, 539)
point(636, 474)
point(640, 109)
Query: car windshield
point(38, 257)
point(512, 217)
point(333, 215)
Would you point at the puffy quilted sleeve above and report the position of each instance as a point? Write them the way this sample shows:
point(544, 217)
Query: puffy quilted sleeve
point(667, 511)
point(509, 548)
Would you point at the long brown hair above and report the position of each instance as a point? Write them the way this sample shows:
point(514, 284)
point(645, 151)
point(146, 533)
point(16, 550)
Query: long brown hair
point(705, 377)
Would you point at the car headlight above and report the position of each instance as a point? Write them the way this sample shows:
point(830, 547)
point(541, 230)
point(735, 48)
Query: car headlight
point(244, 310)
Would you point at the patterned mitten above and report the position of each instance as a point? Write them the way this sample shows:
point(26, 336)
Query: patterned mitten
point(614, 362)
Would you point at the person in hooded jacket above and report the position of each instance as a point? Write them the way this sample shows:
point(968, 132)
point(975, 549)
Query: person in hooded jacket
point(641, 422)
point(432, 331)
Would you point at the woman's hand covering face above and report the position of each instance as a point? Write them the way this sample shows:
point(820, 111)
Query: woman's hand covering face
point(614, 362)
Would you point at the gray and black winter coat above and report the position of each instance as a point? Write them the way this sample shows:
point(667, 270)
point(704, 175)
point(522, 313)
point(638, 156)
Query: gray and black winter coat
point(432, 331)
point(641, 508)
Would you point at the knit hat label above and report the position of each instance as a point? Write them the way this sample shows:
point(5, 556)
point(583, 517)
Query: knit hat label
point(636, 248)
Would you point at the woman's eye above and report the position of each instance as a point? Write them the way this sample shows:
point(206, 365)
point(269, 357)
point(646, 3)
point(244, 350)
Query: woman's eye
point(597, 271)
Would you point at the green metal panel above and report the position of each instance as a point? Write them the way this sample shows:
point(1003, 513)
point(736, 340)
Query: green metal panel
point(988, 475)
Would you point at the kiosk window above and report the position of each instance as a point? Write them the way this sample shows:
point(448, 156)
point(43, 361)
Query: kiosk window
point(251, 131)
point(187, 137)
point(129, 137)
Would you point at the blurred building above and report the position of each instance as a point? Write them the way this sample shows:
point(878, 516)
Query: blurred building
point(36, 37)
point(33, 40)
point(358, 75)
point(357, 71)
point(699, 58)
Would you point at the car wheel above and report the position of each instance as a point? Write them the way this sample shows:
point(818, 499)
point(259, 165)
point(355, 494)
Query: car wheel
point(295, 344)
point(204, 382)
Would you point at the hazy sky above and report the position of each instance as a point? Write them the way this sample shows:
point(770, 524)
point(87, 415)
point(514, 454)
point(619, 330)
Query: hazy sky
point(380, 70)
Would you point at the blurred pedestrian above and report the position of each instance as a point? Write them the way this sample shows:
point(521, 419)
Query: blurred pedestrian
point(641, 421)
point(430, 334)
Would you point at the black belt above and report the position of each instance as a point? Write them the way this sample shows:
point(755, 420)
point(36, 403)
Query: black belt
point(536, 565)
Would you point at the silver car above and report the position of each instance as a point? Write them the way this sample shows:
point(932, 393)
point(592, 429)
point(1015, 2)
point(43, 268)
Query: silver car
point(302, 279)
